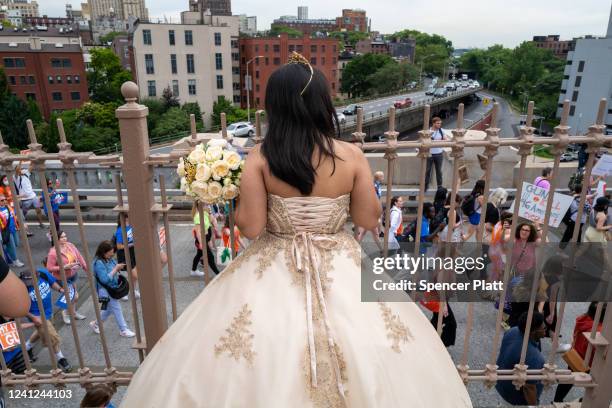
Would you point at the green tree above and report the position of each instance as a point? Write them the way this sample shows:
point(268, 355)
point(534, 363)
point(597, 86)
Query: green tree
point(110, 37)
point(106, 76)
point(13, 116)
point(194, 108)
point(355, 77)
point(4, 90)
point(277, 30)
point(392, 77)
point(525, 73)
point(156, 110)
point(232, 113)
point(170, 101)
point(175, 120)
point(348, 37)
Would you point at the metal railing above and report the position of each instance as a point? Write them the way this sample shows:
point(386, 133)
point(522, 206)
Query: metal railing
point(148, 208)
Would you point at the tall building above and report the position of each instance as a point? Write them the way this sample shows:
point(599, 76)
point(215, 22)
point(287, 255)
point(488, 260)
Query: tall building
point(216, 7)
point(120, 9)
point(588, 79)
point(53, 74)
point(248, 25)
point(302, 13)
point(559, 48)
point(274, 52)
point(199, 62)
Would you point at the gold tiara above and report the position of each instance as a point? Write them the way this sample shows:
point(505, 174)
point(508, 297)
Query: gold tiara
point(297, 58)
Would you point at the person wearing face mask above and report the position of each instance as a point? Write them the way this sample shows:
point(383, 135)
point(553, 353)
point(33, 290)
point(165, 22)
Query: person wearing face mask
point(5, 189)
point(8, 226)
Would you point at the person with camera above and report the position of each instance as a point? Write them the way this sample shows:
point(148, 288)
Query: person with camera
point(111, 286)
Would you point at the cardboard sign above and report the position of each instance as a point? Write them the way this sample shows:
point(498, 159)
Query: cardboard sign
point(601, 190)
point(61, 301)
point(603, 166)
point(9, 337)
point(534, 201)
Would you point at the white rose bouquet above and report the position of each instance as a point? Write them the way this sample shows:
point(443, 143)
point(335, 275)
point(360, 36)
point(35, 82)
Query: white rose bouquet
point(211, 173)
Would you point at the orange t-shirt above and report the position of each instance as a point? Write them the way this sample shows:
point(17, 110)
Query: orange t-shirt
point(226, 238)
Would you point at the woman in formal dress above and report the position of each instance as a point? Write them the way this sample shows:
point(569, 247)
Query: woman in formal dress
point(284, 325)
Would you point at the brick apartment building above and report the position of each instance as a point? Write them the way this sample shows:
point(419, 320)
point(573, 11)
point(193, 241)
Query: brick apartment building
point(372, 46)
point(353, 20)
point(551, 42)
point(274, 52)
point(51, 74)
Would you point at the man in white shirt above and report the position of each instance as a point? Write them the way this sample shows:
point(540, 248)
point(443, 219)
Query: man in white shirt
point(27, 197)
point(436, 155)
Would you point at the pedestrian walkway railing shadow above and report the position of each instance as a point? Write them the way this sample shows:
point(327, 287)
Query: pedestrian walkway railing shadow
point(141, 182)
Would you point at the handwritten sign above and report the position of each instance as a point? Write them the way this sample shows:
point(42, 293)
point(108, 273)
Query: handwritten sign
point(534, 201)
point(603, 166)
point(601, 189)
point(9, 337)
point(61, 301)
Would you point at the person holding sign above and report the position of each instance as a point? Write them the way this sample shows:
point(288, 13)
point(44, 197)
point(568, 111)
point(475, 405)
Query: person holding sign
point(56, 200)
point(14, 302)
point(46, 282)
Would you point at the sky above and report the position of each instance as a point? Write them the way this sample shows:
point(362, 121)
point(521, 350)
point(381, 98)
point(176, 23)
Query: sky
point(467, 23)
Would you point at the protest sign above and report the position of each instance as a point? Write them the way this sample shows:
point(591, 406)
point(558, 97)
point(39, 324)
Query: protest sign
point(534, 201)
point(9, 336)
point(603, 166)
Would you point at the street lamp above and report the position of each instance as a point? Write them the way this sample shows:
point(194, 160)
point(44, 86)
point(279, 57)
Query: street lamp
point(248, 82)
point(421, 70)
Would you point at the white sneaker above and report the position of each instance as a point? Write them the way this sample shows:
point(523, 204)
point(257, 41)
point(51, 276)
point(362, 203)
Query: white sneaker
point(127, 333)
point(65, 317)
point(197, 273)
point(125, 298)
point(17, 263)
point(564, 348)
point(94, 327)
point(136, 293)
point(79, 316)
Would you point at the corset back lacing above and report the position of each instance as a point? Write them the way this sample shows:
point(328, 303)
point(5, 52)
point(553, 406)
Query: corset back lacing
point(309, 220)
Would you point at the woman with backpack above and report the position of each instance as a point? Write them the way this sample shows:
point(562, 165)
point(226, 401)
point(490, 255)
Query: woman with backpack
point(107, 272)
point(472, 208)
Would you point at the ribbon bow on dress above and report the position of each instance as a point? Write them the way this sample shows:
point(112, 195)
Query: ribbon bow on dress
point(307, 259)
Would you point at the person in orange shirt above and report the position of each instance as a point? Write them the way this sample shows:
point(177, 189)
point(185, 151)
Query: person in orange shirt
point(5, 190)
point(226, 237)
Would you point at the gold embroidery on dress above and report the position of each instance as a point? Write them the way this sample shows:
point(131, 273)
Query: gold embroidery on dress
point(238, 341)
point(326, 394)
point(397, 332)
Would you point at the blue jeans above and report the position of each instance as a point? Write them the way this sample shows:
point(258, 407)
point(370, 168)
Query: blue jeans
point(11, 248)
point(114, 308)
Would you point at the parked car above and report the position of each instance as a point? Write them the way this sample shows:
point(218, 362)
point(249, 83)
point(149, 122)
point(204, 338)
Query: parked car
point(430, 90)
point(402, 104)
point(351, 110)
point(241, 129)
point(476, 84)
point(465, 84)
point(413, 84)
point(440, 93)
point(451, 86)
point(569, 156)
point(472, 86)
point(341, 118)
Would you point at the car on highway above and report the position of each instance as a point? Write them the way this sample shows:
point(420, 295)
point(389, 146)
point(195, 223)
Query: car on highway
point(569, 156)
point(351, 110)
point(472, 86)
point(440, 93)
point(241, 129)
point(465, 84)
point(451, 86)
point(430, 90)
point(402, 104)
point(476, 84)
point(341, 118)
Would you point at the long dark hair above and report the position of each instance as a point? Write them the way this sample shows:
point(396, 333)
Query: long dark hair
point(103, 248)
point(478, 188)
point(297, 124)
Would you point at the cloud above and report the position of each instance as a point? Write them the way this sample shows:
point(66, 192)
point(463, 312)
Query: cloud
point(468, 23)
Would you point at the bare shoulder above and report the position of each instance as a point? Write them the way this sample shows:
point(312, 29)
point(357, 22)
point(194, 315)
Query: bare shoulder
point(350, 150)
point(255, 156)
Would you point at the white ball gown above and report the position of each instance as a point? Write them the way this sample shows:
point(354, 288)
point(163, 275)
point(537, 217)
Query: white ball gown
point(284, 326)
